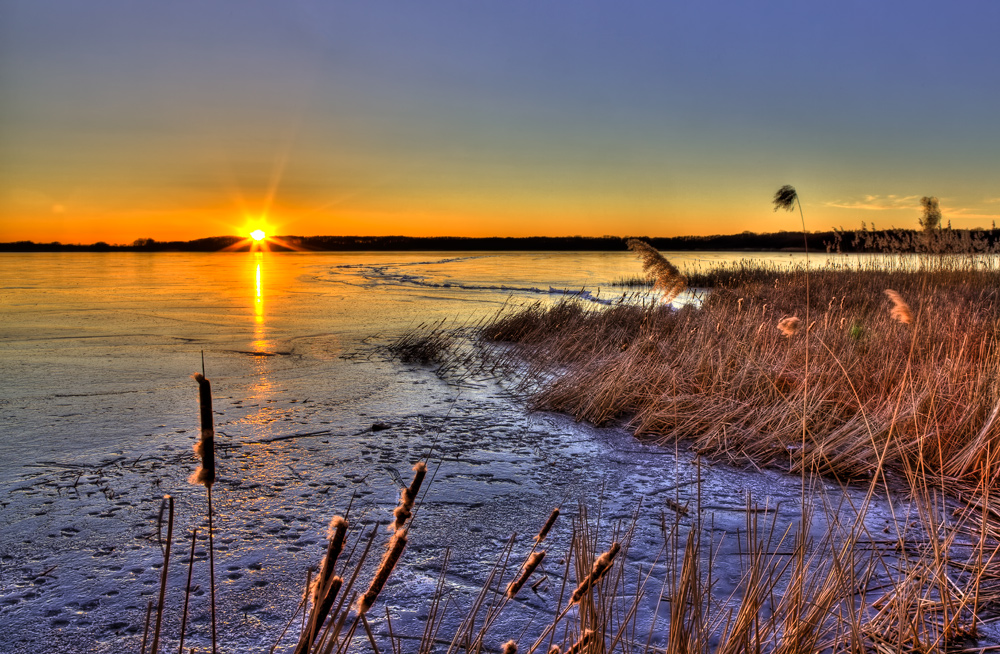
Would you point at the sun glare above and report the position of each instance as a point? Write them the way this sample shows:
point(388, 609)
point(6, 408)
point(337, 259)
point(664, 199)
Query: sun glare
point(258, 235)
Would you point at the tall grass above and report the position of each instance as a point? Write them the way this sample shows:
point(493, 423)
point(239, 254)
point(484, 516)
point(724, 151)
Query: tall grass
point(923, 393)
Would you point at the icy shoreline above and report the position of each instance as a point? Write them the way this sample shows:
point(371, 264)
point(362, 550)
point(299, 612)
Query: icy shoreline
point(85, 563)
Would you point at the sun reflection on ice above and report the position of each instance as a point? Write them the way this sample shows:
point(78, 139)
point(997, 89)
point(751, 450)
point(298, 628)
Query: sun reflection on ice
point(261, 345)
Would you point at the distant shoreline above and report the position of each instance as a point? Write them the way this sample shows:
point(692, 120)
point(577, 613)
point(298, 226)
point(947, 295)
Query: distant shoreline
point(750, 242)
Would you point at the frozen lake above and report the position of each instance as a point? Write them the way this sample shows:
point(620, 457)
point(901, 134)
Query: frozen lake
point(99, 414)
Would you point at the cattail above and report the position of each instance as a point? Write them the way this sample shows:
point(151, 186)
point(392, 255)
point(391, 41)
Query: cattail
point(205, 447)
point(389, 561)
point(510, 647)
point(582, 643)
point(336, 533)
point(900, 309)
point(601, 566)
point(407, 497)
point(788, 326)
point(544, 531)
point(667, 278)
point(555, 649)
point(529, 566)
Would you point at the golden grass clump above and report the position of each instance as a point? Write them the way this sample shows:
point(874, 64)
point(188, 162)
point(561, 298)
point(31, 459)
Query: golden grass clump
point(667, 277)
point(900, 309)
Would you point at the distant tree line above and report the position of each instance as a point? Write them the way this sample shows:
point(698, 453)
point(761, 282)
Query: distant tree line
point(863, 240)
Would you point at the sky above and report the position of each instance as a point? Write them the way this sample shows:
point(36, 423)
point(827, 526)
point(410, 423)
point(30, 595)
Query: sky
point(185, 119)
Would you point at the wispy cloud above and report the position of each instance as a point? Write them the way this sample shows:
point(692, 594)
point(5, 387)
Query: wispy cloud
point(964, 213)
point(878, 203)
point(912, 203)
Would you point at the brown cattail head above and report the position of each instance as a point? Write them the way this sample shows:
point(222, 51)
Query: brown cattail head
point(788, 326)
point(667, 278)
point(510, 647)
point(336, 533)
point(389, 561)
point(544, 531)
point(419, 472)
point(407, 497)
point(900, 309)
point(601, 566)
point(529, 566)
point(205, 447)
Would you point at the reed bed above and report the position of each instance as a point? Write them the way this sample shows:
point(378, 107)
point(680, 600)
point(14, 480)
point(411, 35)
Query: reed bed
point(902, 369)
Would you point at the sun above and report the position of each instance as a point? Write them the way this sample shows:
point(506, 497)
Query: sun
point(258, 235)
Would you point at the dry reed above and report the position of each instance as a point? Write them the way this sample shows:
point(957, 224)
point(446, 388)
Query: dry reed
point(667, 278)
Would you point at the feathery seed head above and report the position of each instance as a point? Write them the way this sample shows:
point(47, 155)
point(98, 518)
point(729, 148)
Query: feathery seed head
point(668, 278)
point(788, 326)
point(900, 309)
point(785, 198)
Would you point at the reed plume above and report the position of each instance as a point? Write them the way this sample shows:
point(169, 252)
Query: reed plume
point(407, 497)
point(544, 531)
point(667, 278)
point(788, 326)
point(785, 198)
point(601, 566)
point(385, 568)
point(900, 309)
point(529, 567)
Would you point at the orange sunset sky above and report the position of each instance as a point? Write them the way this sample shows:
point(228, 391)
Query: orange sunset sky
point(181, 120)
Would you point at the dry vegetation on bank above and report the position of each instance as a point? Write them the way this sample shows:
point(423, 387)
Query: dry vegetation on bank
point(921, 395)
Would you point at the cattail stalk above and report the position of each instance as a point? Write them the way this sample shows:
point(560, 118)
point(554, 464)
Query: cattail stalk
point(601, 566)
point(187, 589)
point(163, 574)
point(529, 567)
point(326, 586)
point(145, 629)
point(544, 531)
point(205, 447)
point(389, 561)
point(205, 474)
point(582, 643)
